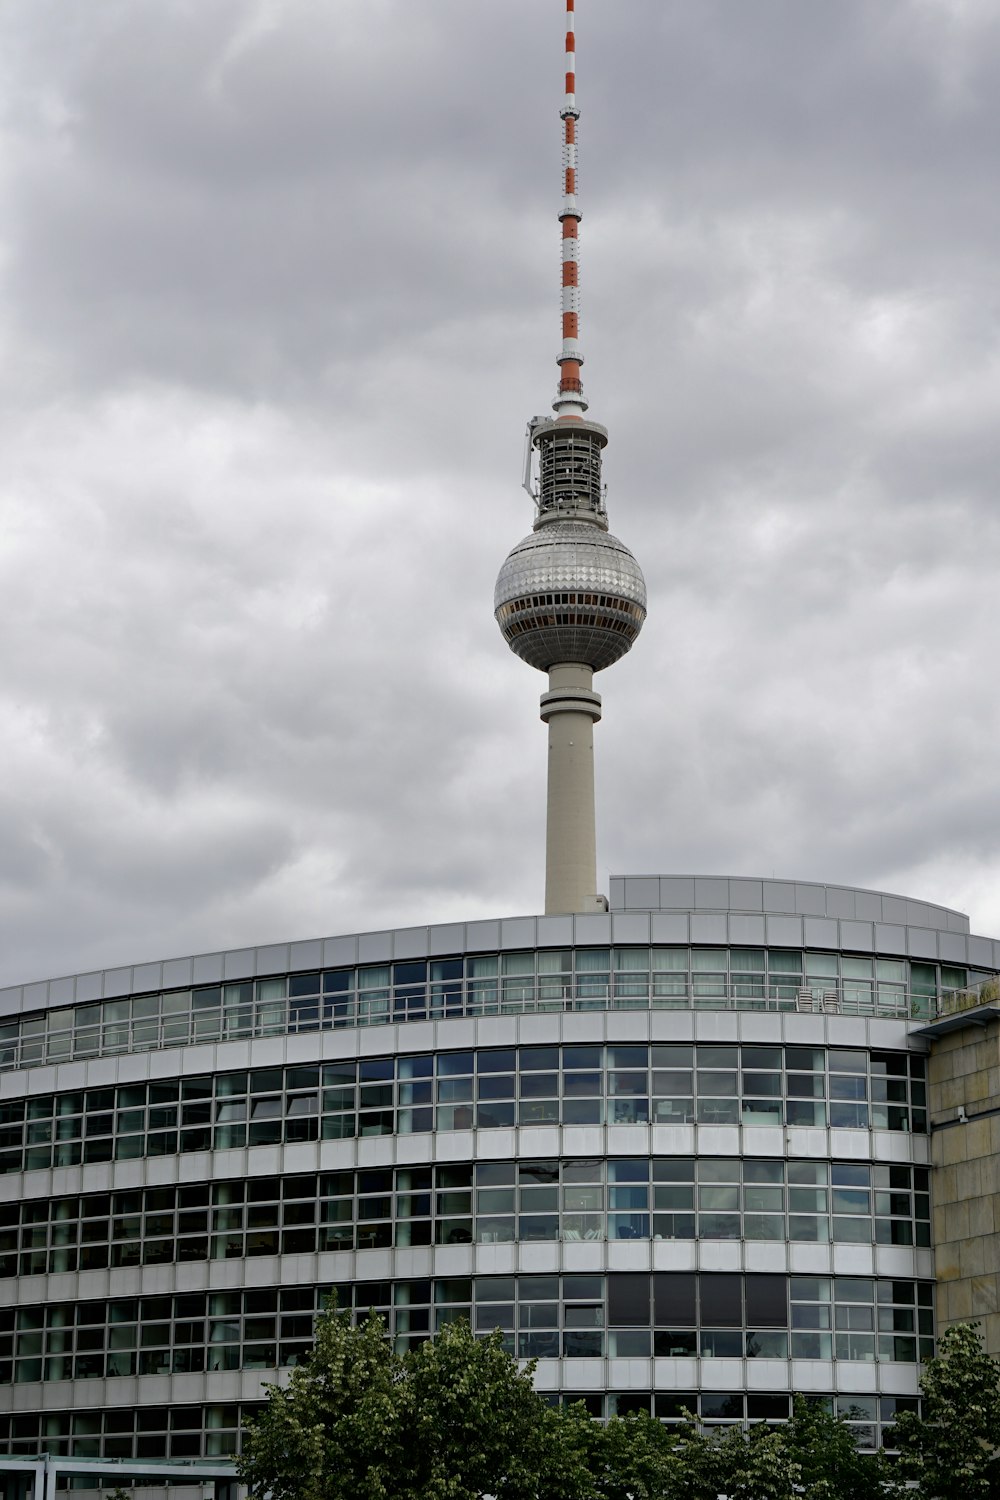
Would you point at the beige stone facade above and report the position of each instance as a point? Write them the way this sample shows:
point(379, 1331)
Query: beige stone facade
point(965, 1081)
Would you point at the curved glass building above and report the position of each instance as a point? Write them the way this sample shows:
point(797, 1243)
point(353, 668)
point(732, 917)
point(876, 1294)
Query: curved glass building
point(679, 1152)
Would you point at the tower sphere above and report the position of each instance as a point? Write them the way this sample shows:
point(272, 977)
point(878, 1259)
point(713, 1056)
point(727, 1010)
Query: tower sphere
point(570, 592)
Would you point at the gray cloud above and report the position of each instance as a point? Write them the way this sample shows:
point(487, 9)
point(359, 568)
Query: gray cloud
point(277, 293)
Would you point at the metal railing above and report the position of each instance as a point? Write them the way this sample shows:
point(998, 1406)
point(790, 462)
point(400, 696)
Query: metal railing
point(952, 1002)
point(454, 999)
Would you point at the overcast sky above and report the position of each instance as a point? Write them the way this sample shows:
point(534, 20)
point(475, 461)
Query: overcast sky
point(278, 292)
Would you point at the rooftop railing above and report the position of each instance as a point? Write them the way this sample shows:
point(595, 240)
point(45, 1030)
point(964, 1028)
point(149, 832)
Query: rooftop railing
point(456, 999)
point(953, 1002)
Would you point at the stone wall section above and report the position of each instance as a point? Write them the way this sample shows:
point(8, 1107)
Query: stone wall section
point(965, 1078)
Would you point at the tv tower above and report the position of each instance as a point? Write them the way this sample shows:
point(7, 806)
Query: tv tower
point(570, 598)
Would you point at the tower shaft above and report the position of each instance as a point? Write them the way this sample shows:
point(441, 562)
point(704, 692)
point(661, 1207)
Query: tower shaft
point(571, 708)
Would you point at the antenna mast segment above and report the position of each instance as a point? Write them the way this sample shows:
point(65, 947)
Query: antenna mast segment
point(570, 402)
point(568, 445)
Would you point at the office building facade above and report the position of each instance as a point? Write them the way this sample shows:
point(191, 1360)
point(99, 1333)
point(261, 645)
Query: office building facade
point(679, 1152)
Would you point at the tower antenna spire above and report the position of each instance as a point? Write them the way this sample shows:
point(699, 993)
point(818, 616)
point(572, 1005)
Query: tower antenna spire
point(569, 402)
point(570, 598)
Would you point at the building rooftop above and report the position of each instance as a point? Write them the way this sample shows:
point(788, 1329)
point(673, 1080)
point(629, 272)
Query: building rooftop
point(644, 909)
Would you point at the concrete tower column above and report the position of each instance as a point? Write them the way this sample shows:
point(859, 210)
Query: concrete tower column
point(571, 708)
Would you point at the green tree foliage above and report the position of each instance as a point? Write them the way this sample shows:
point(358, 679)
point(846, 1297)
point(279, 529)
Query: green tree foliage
point(830, 1466)
point(453, 1419)
point(757, 1465)
point(638, 1458)
point(334, 1426)
point(952, 1450)
point(813, 1457)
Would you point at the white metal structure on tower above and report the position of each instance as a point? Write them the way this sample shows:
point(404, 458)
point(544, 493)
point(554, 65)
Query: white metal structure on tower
point(570, 598)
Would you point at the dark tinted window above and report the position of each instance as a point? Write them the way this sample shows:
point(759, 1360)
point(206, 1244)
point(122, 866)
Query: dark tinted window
point(674, 1299)
point(721, 1300)
point(628, 1300)
point(766, 1301)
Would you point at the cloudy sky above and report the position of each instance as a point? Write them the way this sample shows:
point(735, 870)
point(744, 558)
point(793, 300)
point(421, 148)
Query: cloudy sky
point(278, 291)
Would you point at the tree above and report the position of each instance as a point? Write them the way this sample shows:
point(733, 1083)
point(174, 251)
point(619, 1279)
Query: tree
point(481, 1427)
point(638, 1458)
point(334, 1421)
point(813, 1457)
point(951, 1450)
point(453, 1419)
point(758, 1465)
point(830, 1466)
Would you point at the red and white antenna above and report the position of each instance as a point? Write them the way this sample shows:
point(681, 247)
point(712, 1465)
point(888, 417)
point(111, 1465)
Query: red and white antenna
point(569, 402)
point(569, 444)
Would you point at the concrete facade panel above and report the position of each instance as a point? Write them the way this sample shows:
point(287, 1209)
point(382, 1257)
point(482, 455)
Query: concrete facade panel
point(709, 928)
point(746, 895)
point(629, 929)
point(676, 891)
point(305, 955)
point(840, 902)
point(240, 963)
point(953, 948)
point(784, 932)
point(890, 938)
point(778, 895)
point(810, 900)
point(206, 968)
point(482, 936)
point(446, 938)
point(376, 947)
point(711, 894)
point(821, 932)
point(670, 929)
point(922, 942)
point(746, 930)
point(642, 894)
point(593, 929)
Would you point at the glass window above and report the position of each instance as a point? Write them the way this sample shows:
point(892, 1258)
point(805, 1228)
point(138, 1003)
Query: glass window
point(539, 1059)
point(452, 1064)
point(628, 1057)
point(671, 960)
point(519, 963)
point(709, 960)
point(496, 1060)
point(766, 1301)
point(582, 1058)
point(628, 1299)
point(784, 961)
point(842, 1061)
point(717, 1083)
point(822, 965)
point(760, 1058)
point(721, 1300)
point(632, 961)
point(675, 1299)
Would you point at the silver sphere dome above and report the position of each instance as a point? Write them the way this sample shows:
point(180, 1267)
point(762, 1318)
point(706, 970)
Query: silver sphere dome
point(570, 592)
